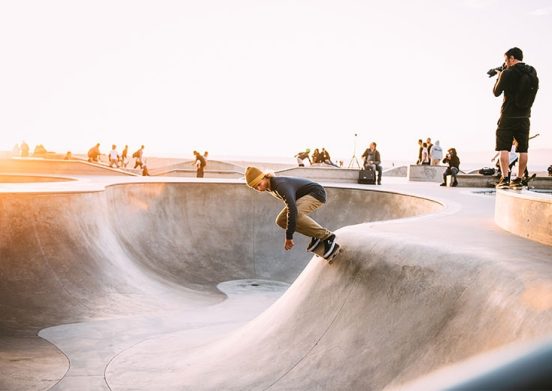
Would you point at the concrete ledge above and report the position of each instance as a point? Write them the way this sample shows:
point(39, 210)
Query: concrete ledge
point(419, 173)
point(526, 214)
point(191, 173)
point(14, 178)
point(330, 174)
point(476, 180)
point(57, 167)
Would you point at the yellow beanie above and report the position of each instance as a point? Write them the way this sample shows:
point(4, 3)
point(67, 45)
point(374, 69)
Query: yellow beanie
point(253, 176)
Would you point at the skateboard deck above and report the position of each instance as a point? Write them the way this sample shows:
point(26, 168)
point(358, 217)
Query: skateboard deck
point(528, 181)
point(319, 251)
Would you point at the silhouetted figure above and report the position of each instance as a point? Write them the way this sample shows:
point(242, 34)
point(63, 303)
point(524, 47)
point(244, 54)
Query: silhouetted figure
point(94, 153)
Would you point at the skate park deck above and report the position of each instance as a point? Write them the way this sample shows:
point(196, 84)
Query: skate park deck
point(167, 283)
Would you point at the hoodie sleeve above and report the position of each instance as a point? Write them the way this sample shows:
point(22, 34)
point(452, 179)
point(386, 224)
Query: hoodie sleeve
point(287, 194)
point(500, 83)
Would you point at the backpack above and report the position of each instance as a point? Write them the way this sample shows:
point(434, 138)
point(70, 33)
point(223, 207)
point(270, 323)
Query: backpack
point(487, 171)
point(136, 154)
point(528, 87)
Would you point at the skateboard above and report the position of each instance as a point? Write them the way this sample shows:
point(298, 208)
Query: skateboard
point(319, 251)
point(527, 181)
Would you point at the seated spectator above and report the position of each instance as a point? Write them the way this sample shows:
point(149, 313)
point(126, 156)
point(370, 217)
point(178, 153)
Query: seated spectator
point(301, 156)
point(68, 156)
point(94, 153)
point(453, 167)
point(40, 150)
point(145, 171)
point(325, 157)
point(372, 158)
point(316, 157)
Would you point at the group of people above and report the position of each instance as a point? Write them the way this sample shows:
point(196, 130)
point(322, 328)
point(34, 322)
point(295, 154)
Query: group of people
point(23, 150)
point(119, 159)
point(319, 156)
point(429, 153)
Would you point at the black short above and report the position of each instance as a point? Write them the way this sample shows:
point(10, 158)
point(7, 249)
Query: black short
point(510, 129)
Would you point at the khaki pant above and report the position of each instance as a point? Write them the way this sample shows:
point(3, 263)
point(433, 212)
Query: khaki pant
point(304, 224)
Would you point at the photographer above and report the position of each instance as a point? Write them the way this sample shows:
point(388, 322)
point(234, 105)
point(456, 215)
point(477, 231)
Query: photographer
point(514, 116)
point(453, 167)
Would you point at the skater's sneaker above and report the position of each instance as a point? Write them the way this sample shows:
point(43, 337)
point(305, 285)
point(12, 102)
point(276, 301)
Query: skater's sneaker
point(313, 244)
point(516, 184)
point(503, 183)
point(330, 246)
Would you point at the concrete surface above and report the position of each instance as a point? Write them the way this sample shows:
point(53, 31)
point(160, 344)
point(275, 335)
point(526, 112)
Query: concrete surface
point(159, 283)
point(424, 173)
point(526, 214)
point(38, 166)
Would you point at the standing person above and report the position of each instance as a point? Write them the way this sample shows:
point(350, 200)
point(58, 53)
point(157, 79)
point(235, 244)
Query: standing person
point(24, 149)
point(519, 83)
point(124, 156)
point(420, 149)
point(425, 155)
point(139, 156)
point(200, 164)
point(429, 146)
point(453, 167)
point(301, 197)
point(372, 157)
point(302, 156)
point(436, 153)
point(113, 156)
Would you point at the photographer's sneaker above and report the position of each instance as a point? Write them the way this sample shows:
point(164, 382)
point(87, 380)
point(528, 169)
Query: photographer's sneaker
point(516, 184)
point(313, 244)
point(330, 246)
point(503, 183)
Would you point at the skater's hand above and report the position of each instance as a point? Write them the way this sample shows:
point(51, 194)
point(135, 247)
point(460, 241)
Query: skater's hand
point(289, 244)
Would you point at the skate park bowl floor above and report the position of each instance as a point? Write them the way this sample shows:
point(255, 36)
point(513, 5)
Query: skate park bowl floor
point(158, 284)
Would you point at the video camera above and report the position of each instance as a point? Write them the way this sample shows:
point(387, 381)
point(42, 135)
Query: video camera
point(492, 72)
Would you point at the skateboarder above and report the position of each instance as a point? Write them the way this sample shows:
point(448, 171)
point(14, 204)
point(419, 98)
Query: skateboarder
point(301, 197)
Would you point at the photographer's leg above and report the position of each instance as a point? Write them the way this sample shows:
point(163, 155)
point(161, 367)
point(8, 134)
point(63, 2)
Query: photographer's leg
point(522, 165)
point(505, 163)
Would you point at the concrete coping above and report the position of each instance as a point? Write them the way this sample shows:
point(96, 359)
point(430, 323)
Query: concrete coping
point(525, 213)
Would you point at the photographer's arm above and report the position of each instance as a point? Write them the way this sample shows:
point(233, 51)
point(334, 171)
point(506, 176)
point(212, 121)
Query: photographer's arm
point(499, 84)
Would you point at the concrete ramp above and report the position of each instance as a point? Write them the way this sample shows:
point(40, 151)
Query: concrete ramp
point(175, 285)
point(383, 314)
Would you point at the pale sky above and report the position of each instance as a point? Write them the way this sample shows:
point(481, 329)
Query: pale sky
point(264, 77)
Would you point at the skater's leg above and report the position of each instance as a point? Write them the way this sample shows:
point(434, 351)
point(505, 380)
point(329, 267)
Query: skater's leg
point(304, 224)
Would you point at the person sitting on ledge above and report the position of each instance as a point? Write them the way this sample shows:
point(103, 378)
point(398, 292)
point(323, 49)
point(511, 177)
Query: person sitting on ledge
point(372, 158)
point(302, 156)
point(453, 167)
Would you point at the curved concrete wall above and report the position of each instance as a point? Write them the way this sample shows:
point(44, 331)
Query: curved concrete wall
point(72, 256)
point(526, 214)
